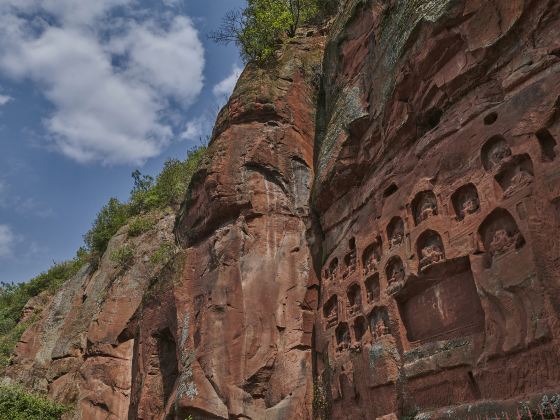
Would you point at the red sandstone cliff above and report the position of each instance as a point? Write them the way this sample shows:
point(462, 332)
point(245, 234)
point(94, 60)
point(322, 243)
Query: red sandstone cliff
point(372, 234)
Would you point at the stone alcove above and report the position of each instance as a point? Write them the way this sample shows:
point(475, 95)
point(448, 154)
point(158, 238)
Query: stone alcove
point(350, 258)
point(547, 144)
point(373, 289)
point(342, 334)
point(516, 174)
point(430, 249)
point(394, 270)
point(495, 151)
point(500, 234)
point(424, 206)
point(378, 320)
point(372, 255)
point(354, 295)
point(360, 327)
point(395, 232)
point(442, 303)
point(465, 201)
point(330, 311)
point(331, 270)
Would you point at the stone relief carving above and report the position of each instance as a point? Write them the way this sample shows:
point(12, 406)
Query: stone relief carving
point(430, 249)
point(465, 201)
point(424, 206)
point(395, 232)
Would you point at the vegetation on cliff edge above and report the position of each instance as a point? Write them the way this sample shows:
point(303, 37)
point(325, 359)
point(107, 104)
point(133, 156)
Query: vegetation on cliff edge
point(14, 297)
point(148, 194)
point(259, 28)
point(17, 404)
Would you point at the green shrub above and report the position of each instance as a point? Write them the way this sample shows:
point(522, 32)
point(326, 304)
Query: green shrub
point(164, 253)
point(123, 256)
point(13, 298)
point(259, 27)
point(109, 220)
point(168, 190)
point(140, 224)
point(17, 404)
point(170, 186)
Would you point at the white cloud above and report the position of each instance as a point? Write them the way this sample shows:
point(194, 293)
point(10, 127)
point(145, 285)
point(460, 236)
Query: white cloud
point(110, 93)
point(171, 61)
point(226, 86)
point(7, 241)
point(4, 99)
point(68, 12)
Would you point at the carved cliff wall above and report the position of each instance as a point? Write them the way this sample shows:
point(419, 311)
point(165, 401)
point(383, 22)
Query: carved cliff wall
point(437, 192)
point(372, 234)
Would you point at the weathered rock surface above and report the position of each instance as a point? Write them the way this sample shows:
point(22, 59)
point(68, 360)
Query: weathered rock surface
point(437, 191)
point(242, 317)
point(75, 352)
point(372, 235)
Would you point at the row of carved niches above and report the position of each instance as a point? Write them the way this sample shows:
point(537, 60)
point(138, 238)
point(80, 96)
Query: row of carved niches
point(511, 172)
point(378, 323)
point(354, 300)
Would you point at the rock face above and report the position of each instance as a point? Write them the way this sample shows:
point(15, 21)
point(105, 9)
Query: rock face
point(437, 191)
point(372, 235)
point(243, 316)
point(75, 351)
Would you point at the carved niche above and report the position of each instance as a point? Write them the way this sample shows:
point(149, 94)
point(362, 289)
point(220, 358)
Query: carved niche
point(330, 312)
point(424, 206)
point(360, 327)
point(372, 255)
point(507, 280)
point(354, 295)
point(499, 233)
point(379, 323)
point(331, 271)
point(394, 271)
point(515, 175)
point(373, 288)
point(443, 304)
point(465, 201)
point(395, 232)
point(430, 249)
point(547, 144)
point(494, 152)
point(342, 334)
point(350, 259)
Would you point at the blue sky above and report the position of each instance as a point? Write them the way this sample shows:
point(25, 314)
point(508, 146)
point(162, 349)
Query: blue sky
point(90, 91)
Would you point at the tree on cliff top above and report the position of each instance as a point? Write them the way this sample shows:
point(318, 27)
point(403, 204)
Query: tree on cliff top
point(258, 28)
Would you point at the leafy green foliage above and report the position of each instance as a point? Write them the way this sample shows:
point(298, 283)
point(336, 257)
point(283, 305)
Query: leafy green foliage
point(17, 404)
point(109, 220)
point(123, 256)
point(13, 298)
point(167, 190)
point(140, 224)
point(163, 254)
point(259, 27)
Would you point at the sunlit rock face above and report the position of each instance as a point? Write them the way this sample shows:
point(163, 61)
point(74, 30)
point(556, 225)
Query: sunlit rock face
point(243, 300)
point(372, 234)
point(437, 191)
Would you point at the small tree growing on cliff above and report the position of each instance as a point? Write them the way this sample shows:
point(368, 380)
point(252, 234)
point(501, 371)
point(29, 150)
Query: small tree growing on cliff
point(258, 28)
